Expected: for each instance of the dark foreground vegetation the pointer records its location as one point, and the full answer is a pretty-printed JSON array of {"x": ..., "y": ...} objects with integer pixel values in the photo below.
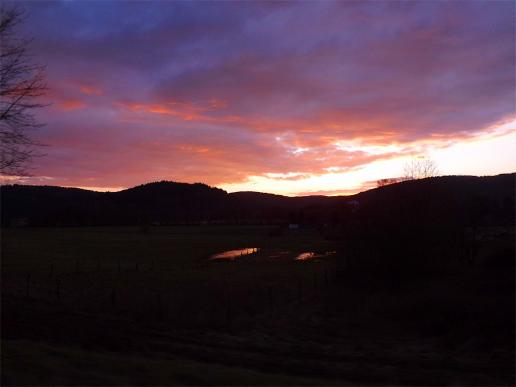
[{"x": 420, "y": 291}]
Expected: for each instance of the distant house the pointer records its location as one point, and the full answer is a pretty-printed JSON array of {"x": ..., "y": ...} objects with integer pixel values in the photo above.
[{"x": 19, "y": 222}]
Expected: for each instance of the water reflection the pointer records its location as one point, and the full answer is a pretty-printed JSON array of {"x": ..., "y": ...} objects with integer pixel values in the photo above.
[
  {"x": 307, "y": 255},
  {"x": 231, "y": 255},
  {"x": 234, "y": 254}
]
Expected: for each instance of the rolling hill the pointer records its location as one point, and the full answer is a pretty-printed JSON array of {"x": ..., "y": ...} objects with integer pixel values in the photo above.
[{"x": 467, "y": 198}]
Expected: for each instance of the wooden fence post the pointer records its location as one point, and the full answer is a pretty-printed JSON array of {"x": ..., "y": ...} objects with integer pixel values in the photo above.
[
  {"x": 27, "y": 290},
  {"x": 58, "y": 289},
  {"x": 159, "y": 305},
  {"x": 164, "y": 306},
  {"x": 113, "y": 298},
  {"x": 270, "y": 297},
  {"x": 229, "y": 309}
]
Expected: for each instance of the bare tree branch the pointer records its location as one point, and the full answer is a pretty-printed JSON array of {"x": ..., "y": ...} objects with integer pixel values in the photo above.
[
  {"x": 389, "y": 181},
  {"x": 21, "y": 84},
  {"x": 419, "y": 168}
]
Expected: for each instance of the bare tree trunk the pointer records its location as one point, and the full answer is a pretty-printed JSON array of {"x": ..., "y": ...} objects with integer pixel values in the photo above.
[{"x": 21, "y": 85}]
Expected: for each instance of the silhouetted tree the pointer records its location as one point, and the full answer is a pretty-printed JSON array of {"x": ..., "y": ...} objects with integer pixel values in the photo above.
[
  {"x": 419, "y": 168},
  {"x": 21, "y": 83},
  {"x": 388, "y": 181}
]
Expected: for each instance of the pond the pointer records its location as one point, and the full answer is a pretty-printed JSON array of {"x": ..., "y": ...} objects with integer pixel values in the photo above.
[
  {"x": 231, "y": 255},
  {"x": 307, "y": 255}
]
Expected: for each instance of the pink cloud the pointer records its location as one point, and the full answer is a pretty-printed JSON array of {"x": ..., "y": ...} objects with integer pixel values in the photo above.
[
  {"x": 71, "y": 104},
  {"x": 220, "y": 93}
]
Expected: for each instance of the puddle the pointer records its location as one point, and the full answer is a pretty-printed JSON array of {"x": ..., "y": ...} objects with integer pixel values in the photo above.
[
  {"x": 311, "y": 255},
  {"x": 305, "y": 256},
  {"x": 231, "y": 255}
]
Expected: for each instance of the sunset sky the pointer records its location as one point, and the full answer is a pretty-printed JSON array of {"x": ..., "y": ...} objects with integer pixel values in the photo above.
[{"x": 290, "y": 98}]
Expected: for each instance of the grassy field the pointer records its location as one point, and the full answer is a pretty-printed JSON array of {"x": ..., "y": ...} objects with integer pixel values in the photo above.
[
  {"x": 58, "y": 281},
  {"x": 165, "y": 271},
  {"x": 119, "y": 306},
  {"x": 170, "y": 247}
]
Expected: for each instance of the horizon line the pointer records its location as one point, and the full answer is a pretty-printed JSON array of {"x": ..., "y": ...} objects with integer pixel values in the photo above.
[{"x": 302, "y": 194}]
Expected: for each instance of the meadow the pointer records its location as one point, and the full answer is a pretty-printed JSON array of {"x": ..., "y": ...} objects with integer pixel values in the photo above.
[
  {"x": 131, "y": 305},
  {"x": 153, "y": 273},
  {"x": 162, "y": 277}
]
